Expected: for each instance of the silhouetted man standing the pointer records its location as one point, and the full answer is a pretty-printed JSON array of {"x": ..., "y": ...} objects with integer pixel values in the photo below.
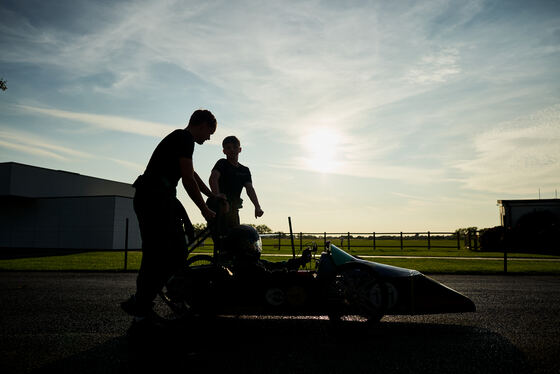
[{"x": 163, "y": 220}]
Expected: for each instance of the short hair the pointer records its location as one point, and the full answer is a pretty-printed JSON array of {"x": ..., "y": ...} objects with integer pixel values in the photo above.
[
  {"x": 232, "y": 139},
  {"x": 201, "y": 116}
]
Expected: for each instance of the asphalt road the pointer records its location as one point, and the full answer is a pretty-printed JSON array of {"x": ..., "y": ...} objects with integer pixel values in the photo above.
[{"x": 71, "y": 322}]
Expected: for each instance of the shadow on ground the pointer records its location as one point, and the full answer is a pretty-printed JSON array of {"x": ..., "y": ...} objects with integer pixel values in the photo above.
[{"x": 301, "y": 346}]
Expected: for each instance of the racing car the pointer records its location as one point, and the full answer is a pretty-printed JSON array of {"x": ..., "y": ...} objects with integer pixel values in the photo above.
[{"x": 236, "y": 281}]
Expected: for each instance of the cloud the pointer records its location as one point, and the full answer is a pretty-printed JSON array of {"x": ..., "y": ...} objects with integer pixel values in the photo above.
[
  {"x": 128, "y": 164},
  {"x": 107, "y": 122},
  {"x": 35, "y": 145},
  {"x": 39, "y": 146},
  {"x": 368, "y": 168},
  {"x": 305, "y": 64},
  {"x": 517, "y": 157},
  {"x": 298, "y": 57},
  {"x": 32, "y": 151},
  {"x": 435, "y": 68}
]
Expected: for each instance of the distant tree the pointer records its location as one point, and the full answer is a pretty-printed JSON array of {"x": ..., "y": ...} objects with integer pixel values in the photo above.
[
  {"x": 3, "y": 85},
  {"x": 465, "y": 231},
  {"x": 468, "y": 234},
  {"x": 263, "y": 229},
  {"x": 198, "y": 228},
  {"x": 492, "y": 239}
]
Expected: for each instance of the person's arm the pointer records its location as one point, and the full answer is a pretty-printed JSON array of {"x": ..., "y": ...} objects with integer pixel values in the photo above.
[
  {"x": 254, "y": 199},
  {"x": 191, "y": 186},
  {"x": 203, "y": 188},
  {"x": 213, "y": 181}
]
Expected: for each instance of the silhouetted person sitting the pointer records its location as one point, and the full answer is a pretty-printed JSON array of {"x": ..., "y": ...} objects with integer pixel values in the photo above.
[{"x": 241, "y": 253}]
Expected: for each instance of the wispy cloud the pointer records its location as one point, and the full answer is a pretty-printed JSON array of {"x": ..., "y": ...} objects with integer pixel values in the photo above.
[
  {"x": 516, "y": 157},
  {"x": 418, "y": 92},
  {"x": 26, "y": 142},
  {"x": 313, "y": 58},
  {"x": 435, "y": 68},
  {"x": 106, "y": 122},
  {"x": 128, "y": 164},
  {"x": 30, "y": 150},
  {"x": 32, "y": 144},
  {"x": 370, "y": 169}
]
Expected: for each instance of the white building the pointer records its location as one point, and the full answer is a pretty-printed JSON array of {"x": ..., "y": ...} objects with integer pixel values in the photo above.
[{"x": 44, "y": 208}]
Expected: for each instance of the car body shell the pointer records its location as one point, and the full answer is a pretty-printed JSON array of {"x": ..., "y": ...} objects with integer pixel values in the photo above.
[{"x": 306, "y": 292}]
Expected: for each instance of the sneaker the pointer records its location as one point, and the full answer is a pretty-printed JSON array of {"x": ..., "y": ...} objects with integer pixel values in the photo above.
[
  {"x": 175, "y": 287},
  {"x": 131, "y": 307}
]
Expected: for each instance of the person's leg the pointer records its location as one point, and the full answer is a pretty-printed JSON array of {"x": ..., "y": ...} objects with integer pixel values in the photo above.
[
  {"x": 162, "y": 235},
  {"x": 232, "y": 218},
  {"x": 219, "y": 227}
]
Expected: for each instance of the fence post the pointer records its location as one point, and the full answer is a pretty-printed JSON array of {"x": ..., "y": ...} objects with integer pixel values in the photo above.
[
  {"x": 475, "y": 240},
  {"x": 279, "y": 240},
  {"x": 401, "y": 241},
  {"x": 349, "y": 249},
  {"x": 292, "y": 238},
  {"x": 126, "y": 245},
  {"x": 374, "y": 240},
  {"x": 325, "y": 239},
  {"x": 507, "y": 241},
  {"x": 300, "y": 242},
  {"x": 429, "y": 246},
  {"x": 458, "y": 239}
]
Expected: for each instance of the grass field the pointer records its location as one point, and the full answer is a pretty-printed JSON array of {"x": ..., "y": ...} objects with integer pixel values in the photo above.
[
  {"x": 469, "y": 262},
  {"x": 439, "y": 248},
  {"x": 366, "y": 244}
]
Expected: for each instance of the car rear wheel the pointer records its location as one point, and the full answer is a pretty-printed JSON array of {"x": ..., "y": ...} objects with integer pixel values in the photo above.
[{"x": 173, "y": 303}]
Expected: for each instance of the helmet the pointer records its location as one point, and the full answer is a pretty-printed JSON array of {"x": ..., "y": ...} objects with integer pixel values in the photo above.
[{"x": 244, "y": 242}]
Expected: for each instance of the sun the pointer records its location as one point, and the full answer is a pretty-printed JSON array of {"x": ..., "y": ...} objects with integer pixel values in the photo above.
[{"x": 321, "y": 149}]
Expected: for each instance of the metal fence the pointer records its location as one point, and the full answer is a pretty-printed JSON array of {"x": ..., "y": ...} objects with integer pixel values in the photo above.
[{"x": 376, "y": 240}]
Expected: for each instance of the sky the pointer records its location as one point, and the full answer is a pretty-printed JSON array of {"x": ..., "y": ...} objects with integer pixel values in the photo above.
[{"x": 355, "y": 116}]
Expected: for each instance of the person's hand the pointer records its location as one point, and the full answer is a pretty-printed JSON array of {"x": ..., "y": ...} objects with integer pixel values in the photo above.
[
  {"x": 258, "y": 212},
  {"x": 208, "y": 213},
  {"x": 220, "y": 196},
  {"x": 306, "y": 256},
  {"x": 223, "y": 203}
]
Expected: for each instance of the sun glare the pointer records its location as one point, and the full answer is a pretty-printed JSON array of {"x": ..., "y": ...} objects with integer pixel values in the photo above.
[{"x": 320, "y": 147}]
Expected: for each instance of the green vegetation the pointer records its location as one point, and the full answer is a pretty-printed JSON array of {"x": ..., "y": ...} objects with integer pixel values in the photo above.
[
  {"x": 114, "y": 261},
  {"x": 445, "y": 254},
  {"x": 389, "y": 247},
  {"x": 87, "y": 261},
  {"x": 433, "y": 266}
]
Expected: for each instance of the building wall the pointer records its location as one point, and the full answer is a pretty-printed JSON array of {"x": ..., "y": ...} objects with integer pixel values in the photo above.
[
  {"x": 124, "y": 210},
  {"x": 69, "y": 223},
  {"x": 31, "y": 181},
  {"x": 512, "y": 210}
]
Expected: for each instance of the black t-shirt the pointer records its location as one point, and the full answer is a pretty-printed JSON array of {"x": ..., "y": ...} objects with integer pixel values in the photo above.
[
  {"x": 164, "y": 164},
  {"x": 232, "y": 180}
]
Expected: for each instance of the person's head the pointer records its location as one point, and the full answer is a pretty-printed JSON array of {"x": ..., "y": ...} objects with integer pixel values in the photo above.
[
  {"x": 244, "y": 243},
  {"x": 201, "y": 125},
  {"x": 231, "y": 147}
]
